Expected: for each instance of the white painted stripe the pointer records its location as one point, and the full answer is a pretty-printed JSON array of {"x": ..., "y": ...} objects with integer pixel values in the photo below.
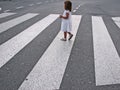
[
  {"x": 20, "y": 7},
  {"x": 7, "y": 11},
  {"x": 74, "y": 10},
  {"x": 14, "y": 45},
  {"x": 31, "y": 4},
  {"x": 6, "y": 14},
  {"x": 77, "y": 7},
  {"x": 0, "y": 8},
  {"x": 48, "y": 72},
  {"x": 117, "y": 21},
  {"x": 39, "y": 3},
  {"x": 9, "y": 24},
  {"x": 107, "y": 61}
]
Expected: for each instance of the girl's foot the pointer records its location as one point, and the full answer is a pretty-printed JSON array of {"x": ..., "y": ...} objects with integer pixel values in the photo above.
[
  {"x": 71, "y": 35},
  {"x": 63, "y": 39}
]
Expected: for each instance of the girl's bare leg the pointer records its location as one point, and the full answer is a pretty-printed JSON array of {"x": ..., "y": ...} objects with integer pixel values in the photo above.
[
  {"x": 65, "y": 35},
  {"x": 70, "y": 34}
]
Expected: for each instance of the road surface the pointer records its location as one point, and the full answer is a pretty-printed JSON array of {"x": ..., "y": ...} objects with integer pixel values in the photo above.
[{"x": 32, "y": 56}]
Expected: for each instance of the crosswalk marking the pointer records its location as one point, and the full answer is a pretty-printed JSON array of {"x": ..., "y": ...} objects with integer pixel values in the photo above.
[
  {"x": 11, "y": 23},
  {"x": 107, "y": 61},
  {"x": 74, "y": 10},
  {"x": 39, "y": 3},
  {"x": 14, "y": 45},
  {"x": 48, "y": 73},
  {"x": 6, "y": 14},
  {"x": 117, "y": 21},
  {"x": 20, "y": 7},
  {"x": 31, "y": 4},
  {"x": 7, "y": 11}
]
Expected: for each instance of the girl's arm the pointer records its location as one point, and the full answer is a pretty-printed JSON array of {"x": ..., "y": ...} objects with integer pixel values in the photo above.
[{"x": 65, "y": 17}]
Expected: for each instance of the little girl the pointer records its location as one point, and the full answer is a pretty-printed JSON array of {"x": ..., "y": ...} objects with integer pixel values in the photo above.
[{"x": 66, "y": 25}]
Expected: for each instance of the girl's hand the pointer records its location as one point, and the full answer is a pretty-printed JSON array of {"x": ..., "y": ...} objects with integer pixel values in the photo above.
[{"x": 61, "y": 16}]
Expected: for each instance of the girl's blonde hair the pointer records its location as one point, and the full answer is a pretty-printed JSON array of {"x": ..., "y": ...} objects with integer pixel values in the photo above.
[{"x": 68, "y": 5}]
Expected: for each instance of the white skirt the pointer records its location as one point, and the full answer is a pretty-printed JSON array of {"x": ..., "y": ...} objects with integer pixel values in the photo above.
[{"x": 66, "y": 26}]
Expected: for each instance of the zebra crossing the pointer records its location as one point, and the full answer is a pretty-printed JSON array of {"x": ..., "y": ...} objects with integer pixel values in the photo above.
[
  {"x": 117, "y": 21},
  {"x": 57, "y": 67},
  {"x": 3, "y": 15},
  {"x": 6, "y": 25},
  {"x": 48, "y": 72},
  {"x": 104, "y": 51}
]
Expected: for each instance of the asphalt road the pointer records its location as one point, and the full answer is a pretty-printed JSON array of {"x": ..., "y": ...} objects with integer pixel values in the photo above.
[{"x": 90, "y": 61}]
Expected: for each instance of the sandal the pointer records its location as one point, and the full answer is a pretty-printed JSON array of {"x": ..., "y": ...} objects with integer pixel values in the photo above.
[
  {"x": 70, "y": 36},
  {"x": 63, "y": 39}
]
